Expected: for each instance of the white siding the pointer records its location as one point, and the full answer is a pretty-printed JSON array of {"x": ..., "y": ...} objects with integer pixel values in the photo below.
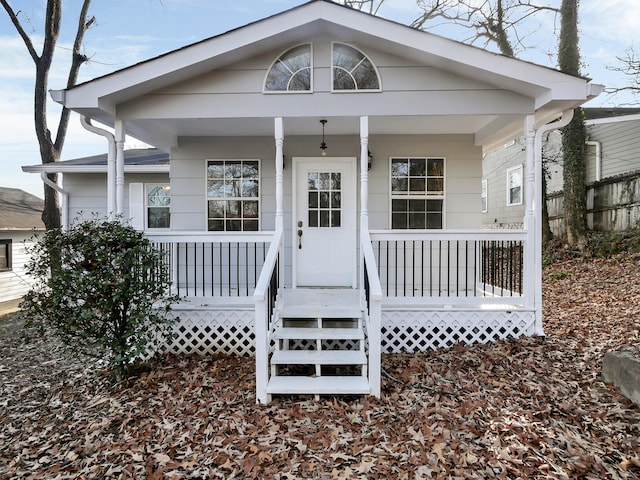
[
  {"x": 88, "y": 192},
  {"x": 15, "y": 282}
]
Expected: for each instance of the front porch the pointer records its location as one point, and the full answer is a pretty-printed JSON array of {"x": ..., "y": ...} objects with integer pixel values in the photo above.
[{"x": 416, "y": 291}]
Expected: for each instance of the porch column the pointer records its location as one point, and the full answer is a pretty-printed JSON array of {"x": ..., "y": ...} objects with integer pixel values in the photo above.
[
  {"x": 531, "y": 210},
  {"x": 364, "y": 173},
  {"x": 120, "y": 139},
  {"x": 279, "y": 160}
]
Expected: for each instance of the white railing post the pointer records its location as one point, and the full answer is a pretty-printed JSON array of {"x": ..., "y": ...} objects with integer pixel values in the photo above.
[{"x": 262, "y": 351}]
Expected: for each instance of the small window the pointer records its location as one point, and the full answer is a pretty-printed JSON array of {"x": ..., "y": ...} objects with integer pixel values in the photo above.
[
  {"x": 233, "y": 192},
  {"x": 291, "y": 72},
  {"x": 514, "y": 186},
  {"x": 417, "y": 193},
  {"x": 483, "y": 196},
  {"x": 5, "y": 255},
  {"x": 352, "y": 69},
  {"x": 158, "y": 206}
]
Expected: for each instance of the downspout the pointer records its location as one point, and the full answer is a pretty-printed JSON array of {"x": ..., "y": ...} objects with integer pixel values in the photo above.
[
  {"x": 111, "y": 163},
  {"x": 65, "y": 199},
  {"x": 563, "y": 121},
  {"x": 598, "y": 145}
]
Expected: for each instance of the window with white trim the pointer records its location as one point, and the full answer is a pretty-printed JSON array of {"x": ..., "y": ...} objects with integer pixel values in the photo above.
[
  {"x": 5, "y": 255},
  {"x": 483, "y": 197},
  {"x": 514, "y": 186},
  {"x": 233, "y": 195},
  {"x": 291, "y": 72},
  {"x": 417, "y": 193},
  {"x": 352, "y": 69},
  {"x": 158, "y": 205}
]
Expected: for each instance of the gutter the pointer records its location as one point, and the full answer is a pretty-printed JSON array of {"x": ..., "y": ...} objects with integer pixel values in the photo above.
[
  {"x": 598, "y": 145},
  {"x": 111, "y": 162},
  {"x": 65, "y": 199}
]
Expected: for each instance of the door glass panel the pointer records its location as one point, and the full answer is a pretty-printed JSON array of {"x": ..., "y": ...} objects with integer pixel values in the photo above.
[{"x": 325, "y": 195}]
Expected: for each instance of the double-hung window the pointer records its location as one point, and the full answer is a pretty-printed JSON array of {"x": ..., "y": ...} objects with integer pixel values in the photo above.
[
  {"x": 158, "y": 206},
  {"x": 417, "y": 193},
  {"x": 233, "y": 195},
  {"x": 514, "y": 186}
]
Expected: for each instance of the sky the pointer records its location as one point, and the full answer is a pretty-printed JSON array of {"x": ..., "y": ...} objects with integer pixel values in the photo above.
[{"x": 130, "y": 31}]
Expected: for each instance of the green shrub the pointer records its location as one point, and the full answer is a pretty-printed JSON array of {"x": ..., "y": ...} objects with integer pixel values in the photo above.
[{"x": 108, "y": 298}]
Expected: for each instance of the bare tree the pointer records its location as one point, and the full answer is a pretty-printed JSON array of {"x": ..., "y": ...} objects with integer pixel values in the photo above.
[
  {"x": 369, "y": 6},
  {"x": 50, "y": 148},
  {"x": 630, "y": 66}
]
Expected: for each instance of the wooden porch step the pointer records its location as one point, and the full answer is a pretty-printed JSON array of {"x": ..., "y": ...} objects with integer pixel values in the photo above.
[
  {"x": 337, "y": 385},
  {"x": 318, "y": 357},
  {"x": 327, "y": 333},
  {"x": 320, "y": 303}
]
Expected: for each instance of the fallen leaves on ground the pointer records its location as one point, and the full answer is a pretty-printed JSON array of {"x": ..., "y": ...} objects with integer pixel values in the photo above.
[{"x": 525, "y": 408}]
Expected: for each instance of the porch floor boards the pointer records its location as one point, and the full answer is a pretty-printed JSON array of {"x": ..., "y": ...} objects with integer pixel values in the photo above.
[{"x": 320, "y": 302}]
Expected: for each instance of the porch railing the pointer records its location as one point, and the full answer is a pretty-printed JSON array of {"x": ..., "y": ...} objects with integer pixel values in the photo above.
[
  {"x": 372, "y": 295},
  {"x": 269, "y": 285},
  {"x": 451, "y": 267},
  {"x": 203, "y": 264}
]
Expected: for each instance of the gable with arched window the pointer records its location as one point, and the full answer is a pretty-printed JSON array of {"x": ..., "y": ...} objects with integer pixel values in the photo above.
[{"x": 351, "y": 70}]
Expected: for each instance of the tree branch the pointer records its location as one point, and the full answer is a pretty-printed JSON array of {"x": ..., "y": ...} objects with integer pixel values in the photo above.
[
  {"x": 78, "y": 59},
  {"x": 18, "y": 26}
]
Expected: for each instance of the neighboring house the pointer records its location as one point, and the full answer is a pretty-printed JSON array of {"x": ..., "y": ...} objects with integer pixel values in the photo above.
[
  {"x": 20, "y": 219},
  {"x": 325, "y": 174},
  {"x": 612, "y": 177}
]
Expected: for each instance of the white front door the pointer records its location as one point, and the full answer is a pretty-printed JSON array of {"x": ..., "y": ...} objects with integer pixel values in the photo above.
[{"x": 324, "y": 222}]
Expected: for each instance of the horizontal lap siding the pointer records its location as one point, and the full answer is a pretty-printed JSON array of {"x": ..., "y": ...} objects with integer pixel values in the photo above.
[
  {"x": 88, "y": 192},
  {"x": 15, "y": 283},
  {"x": 620, "y": 148}
]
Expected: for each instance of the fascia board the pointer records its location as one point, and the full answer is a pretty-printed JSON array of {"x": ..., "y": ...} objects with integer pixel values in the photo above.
[
  {"x": 57, "y": 168},
  {"x": 617, "y": 119}
]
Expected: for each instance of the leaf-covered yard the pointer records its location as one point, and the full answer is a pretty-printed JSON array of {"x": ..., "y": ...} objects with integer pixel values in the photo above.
[{"x": 528, "y": 408}]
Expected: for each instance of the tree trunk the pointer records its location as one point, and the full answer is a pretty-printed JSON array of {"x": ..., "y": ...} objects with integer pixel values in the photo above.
[{"x": 573, "y": 135}]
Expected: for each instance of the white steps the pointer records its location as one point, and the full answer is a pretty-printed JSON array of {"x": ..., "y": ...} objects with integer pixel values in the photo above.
[
  {"x": 319, "y": 344},
  {"x": 321, "y": 357},
  {"x": 330, "y": 385},
  {"x": 298, "y": 333}
]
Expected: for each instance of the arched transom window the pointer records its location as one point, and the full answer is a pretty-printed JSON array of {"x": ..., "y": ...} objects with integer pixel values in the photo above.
[
  {"x": 291, "y": 71},
  {"x": 352, "y": 69}
]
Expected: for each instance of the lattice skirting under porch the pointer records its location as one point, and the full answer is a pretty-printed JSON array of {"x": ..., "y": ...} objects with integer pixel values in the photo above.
[
  {"x": 205, "y": 331},
  {"x": 419, "y": 331},
  {"x": 213, "y": 331}
]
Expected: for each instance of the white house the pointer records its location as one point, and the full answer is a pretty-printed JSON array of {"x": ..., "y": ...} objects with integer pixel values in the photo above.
[
  {"x": 612, "y": 156},
  {"x": 20, "y": 219},
  {"x": 324, "y": 190}
]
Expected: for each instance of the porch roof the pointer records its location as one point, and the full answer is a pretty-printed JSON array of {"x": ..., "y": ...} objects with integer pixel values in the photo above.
[{"x": 548, "y": 91}]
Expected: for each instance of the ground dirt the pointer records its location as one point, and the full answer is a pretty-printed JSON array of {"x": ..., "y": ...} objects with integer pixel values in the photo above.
[{"x": 520, "y": 408}]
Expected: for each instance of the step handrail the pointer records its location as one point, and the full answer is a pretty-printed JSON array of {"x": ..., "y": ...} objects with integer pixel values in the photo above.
[
  {"x": 264, "y": 306},
  {"x": 374, "y": 311}
]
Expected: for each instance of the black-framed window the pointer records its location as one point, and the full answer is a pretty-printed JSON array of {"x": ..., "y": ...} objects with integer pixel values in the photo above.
[
  {"x": 417, "y": 193},
  {"x": 233, "y": 195},
  {"x": 5, "y": 255}
]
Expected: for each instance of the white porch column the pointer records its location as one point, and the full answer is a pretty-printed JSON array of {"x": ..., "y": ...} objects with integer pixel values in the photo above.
[
  {"x": 279, "y": 138},
  {"x": 532, "y": 285},
  {"x": 364, "y": 173},
  {"x": 120, "y": 138},
  {"x": 567, "y": 115}
]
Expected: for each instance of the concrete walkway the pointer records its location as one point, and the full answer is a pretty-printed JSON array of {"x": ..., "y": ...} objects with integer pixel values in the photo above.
[{"x": 9, "y": 307}]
